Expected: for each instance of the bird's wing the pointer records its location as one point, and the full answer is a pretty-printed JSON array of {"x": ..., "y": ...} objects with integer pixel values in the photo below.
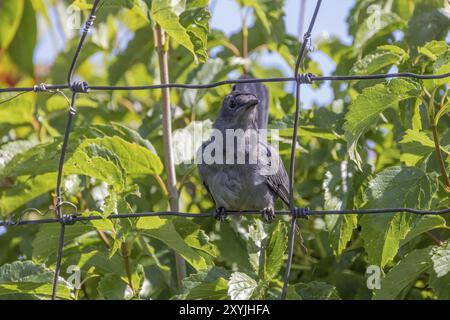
[
  {"x": 202, "y": 170},
  {"x": 279, "y": 182},
  {"x": 261, "y": 92}
]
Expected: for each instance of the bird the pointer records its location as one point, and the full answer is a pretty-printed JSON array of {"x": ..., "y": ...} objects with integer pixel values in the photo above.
[{"x": 246, "y": 184}]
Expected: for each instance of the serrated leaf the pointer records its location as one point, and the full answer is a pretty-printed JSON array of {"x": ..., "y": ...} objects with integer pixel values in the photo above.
[
  {"x": 241, "y": 286},
  {"x": 26, "y": 277},
  {"x": 441, "y": 259},
  {"x": 45, "y": 243},
  {"x": 315, "y": 290},
  {"x": 365, "y": 110},
  {"x": 416, "y": 146},
  {"x": 437, "y": 22},
  {"x": 440, "y": 285},
  {"x": 194, "y": 236},
  {"x": 164, "y": 230},
  {"x": 375, "y": 62},
  {"x": 404, "y": 274},
  {"x": 275, "y": 251},
  {"x": 424, "y": 224},
  {"x": 112, "y": 287},
  {"x": 164, "y": 13},
  {"x": 339, "y": 193},
  {"x": 25, "y": 189},
  {"x": 444, "y": 110},
  {"x": 393, "y": 187}
]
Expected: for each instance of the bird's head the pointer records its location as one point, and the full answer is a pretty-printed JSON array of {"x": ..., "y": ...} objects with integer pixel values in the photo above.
[{"x": 238, "y": 110}]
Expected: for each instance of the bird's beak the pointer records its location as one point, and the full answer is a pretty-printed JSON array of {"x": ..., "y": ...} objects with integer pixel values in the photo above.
[{"x": 247, "y": 101}]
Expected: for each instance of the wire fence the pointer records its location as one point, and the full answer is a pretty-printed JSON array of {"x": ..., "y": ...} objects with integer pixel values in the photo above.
[{"x": 77, "y": 87}]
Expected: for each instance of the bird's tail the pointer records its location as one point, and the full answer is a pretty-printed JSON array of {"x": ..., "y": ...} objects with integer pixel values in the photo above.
[{"x": 261, "y": 92}]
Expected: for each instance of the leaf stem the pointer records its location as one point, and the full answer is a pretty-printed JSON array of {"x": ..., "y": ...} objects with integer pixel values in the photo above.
[
  {"x": 126, "y": 262},
  {"x": 435, "y": 133},
  {"x": 161, "y": 44}
]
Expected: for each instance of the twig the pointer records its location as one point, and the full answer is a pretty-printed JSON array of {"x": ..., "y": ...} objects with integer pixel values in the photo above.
[{"x": 162, "y": 42}]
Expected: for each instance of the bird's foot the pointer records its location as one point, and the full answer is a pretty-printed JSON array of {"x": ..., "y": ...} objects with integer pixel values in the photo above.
[
  {"x": 220, "y": 214},
  {"x": 268, "y": 214}
]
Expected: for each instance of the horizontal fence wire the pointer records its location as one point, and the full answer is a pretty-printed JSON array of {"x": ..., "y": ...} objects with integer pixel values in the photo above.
[
  {"x": 295, "y": 213},
  {"x": 298, "y": 212},
  {"x": 312, "y": 78}
]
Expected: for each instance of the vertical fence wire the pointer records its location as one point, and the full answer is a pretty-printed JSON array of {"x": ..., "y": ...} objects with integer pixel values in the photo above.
[
  {"x": 299, "y": 80},
  {"x": 75, "y": 87}
]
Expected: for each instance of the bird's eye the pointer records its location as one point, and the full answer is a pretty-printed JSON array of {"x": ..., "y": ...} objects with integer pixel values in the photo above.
[{"x": 232, "y": 104}]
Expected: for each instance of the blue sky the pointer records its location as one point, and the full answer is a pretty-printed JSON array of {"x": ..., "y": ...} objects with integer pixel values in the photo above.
[{"x": 331, "y": 20}]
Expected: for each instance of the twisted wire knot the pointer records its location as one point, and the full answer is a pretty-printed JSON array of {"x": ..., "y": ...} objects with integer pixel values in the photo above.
[
  {"x": 307, "y": 36},
  {"x": 80, "y": 87},
  {"x": 69, "y": 219},
  {"x": 89, "y": 23},
  {"x": 305, "y": 78},
  {"x": 301, "y": 213},
  {"x": 40, "y": 87}
]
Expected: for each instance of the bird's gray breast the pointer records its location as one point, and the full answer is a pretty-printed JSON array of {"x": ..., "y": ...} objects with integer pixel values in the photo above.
[{"x": 239, "y": 186}]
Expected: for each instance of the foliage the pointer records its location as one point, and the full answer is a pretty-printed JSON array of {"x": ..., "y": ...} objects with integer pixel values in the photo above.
[{"x": 377, "y": 144}]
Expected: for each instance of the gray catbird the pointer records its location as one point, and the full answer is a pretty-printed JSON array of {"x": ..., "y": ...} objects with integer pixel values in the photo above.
[{"x": 244, "y": 185}]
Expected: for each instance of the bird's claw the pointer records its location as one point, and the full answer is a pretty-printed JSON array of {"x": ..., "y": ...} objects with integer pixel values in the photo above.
[
  {"x": 268, "y": 214},
  {"x": 220, "y": 214}
]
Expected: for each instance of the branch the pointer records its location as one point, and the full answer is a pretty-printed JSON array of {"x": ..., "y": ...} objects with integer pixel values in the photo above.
[{"x": 161, "y": 43}]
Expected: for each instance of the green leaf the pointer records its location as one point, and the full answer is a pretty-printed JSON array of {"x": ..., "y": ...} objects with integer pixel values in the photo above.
[
  {"x": 18, "y": 111},
  {"x": 256, "y": 242},
  {"x": 232, "y": 248},
  {"x": 440, "y": 285},
  {"x": 433, "y": 49},
  {"x": 377, "y": 61},
  {"x": 45, "y": 244},
  {"x": 424, "y": 224},
  {"x": 10, "y": 17},
  {"x": 164, "y": 230},
  {"x": 440, "y": 114},
  {"x": 27, "y": 278},
  {"x": 339, "y": 194},
  {"x": 139, "y": 49},
  {"x": 21, "y": 49},
  {"x": 403, "y": 275},
  {"x": 377, "y": 25},
  {"x": 441, "y": 259},
  {"x": 416, "y": 146},
  {"x": 25, "y": 189},
  {"x": 135, "y": 159},
  {"x": 194, "y": 236},
  {"x": 108, "y": 159},
  {"x": 435, "y": 19},
  {"x": 9, "y": 150},
  {"x": 112, "y": 287},
  {"x": 391, "y": 188},
  {"x": 208, "y": 284},
  {"x": 241, "y": 286},
  {"x": 314, "y": 290},
  {"x": 275, "y": 251},
  {"x": 366, "y": 109},
  {"x": 166, "y": 15}
]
